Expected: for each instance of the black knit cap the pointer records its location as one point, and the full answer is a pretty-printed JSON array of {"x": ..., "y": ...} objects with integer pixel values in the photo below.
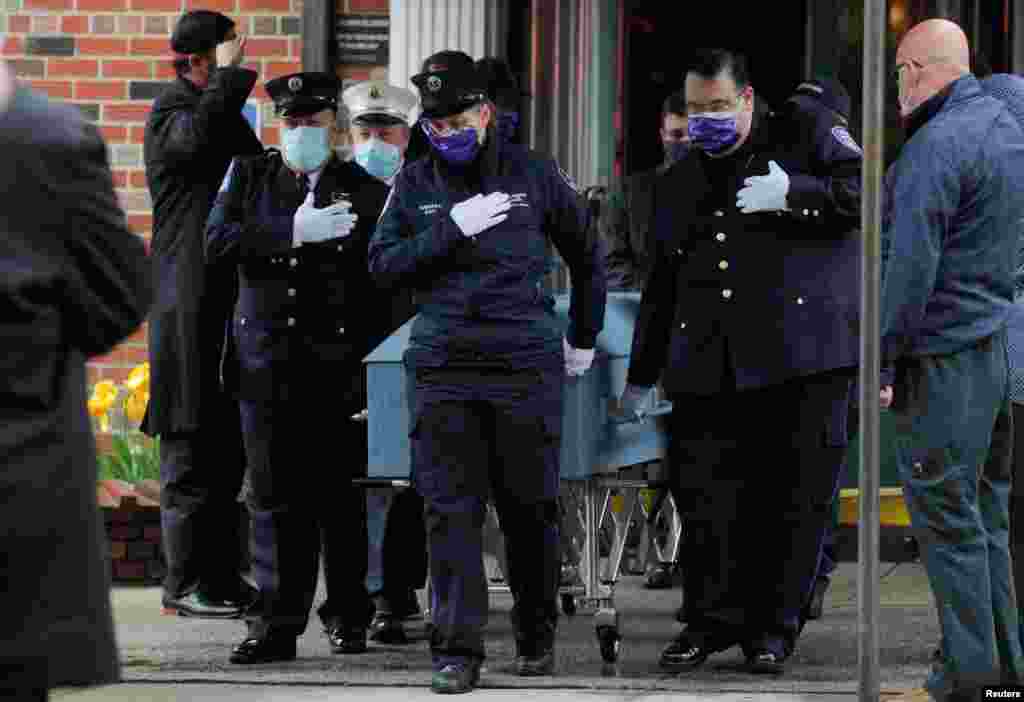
[
  {"x": 306, "y": 93},
  {"x": 824, "y": 91},
  {"x": 200, "y": 31},
  {"x": 449, "y": 84}
]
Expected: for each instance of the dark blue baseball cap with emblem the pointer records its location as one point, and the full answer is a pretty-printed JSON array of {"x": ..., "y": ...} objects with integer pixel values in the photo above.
[
  {"x": 449, "y": 83},
  {"x": 824, "y": 91},
  {"x": 306, "y": 93}
]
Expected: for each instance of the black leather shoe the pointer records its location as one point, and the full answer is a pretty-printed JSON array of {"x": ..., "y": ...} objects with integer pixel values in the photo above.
[
  {"x": 536, "y": 666},
  {"x": 201, "y": 607},
  {"x": 388, "y": 630},
  {"x": 816, "y": 606},
  {"x": 661, "y": 577},
  {"x": 268, "y": 649},
  {"x": 455, "y": 678},
  {"x": 346, "y": 641},
  {"x": 686, "y": 652},
  {"x": 764, "y": 661}
]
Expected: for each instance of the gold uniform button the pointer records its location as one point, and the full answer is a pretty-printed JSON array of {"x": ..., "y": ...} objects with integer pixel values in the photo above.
[
  {"x": 720, "y": 236},
  {"x": 719, "y": 213},
  {"x": 294, "y": 262},
  {"x": 340, "y": 247},
  {"x": 341, "y": 330},
  {"x": 291, "y": 292},
  {"x": 727, "y": 293},
  {"x": 679, "y": 252},
  {"x": 799, "y": 301},
  {"x": 806, "y": 212},
  {"x": 291, "y": 321},
  {"x": 683, "y": 325},
  {"x": 723, "y": 265},
  {"x": 816, "y": 213}
]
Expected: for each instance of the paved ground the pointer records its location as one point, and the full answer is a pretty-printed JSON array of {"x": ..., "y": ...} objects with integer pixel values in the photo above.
[{"x": 170, "y": 658}]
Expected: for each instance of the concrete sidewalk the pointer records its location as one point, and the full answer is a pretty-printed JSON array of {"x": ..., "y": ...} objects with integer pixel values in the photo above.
[{"x": 171, "y": 658}]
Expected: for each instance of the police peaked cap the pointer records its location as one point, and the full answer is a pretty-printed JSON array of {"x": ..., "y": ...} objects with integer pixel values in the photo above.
[
  {"x": 449, "y": 84},
  {"x": 827, "y": 92},
  {"x": 306, "y": 93},
  {"x": 200, "y": 31}
]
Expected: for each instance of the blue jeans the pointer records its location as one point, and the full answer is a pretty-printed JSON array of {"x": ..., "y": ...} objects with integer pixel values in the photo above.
[{"x": 947, "y": 409}]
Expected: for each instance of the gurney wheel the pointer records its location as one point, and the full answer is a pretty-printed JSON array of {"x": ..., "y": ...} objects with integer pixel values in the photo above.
[
  {"x": 569, "y": 604},
  {"x": 610, "y": 641}
]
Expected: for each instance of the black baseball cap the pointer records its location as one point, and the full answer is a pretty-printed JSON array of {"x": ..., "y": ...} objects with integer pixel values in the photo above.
[
  {"x": 824, "y": 91},
  {"x": 449, "y": 84},
  {"x": 200, "y": 31}
]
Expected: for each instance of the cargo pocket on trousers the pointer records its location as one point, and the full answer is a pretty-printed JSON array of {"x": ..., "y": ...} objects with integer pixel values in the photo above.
[{"x": 938, "y": 488}]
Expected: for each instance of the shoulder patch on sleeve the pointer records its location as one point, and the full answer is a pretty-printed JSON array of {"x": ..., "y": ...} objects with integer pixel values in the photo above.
[
  {"x": 567, "y": 179},
  {"x": 842, "y": 135}
]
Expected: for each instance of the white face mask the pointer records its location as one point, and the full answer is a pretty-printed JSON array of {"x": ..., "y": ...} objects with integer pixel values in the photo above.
[{"x": 306, "y": 148}]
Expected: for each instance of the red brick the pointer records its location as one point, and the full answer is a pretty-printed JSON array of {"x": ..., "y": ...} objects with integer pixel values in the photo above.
[
  {"x": 356, "y": 72},
  {"x": 126, "y": 112},
  {"x": 165, "y": 70},
  {"x": 227, "y": 6},
  {"x": 157, "y": 5},
  {"x": 137, "y": 179},
  {"x": 152, "y": 534},
  {"x": 368, "y": 6},
  {"x": 74, "y": 24},
  {"x": 88, "y": 46},
  {"x": 138, "y": 135},
  {"x": 107, "y": 90},
  {"x": 45, "y": 24},
  {"x": 120, "y": 177},
  {"x": 281, "y": 6},
  {"x": 270, "y": 136},
  {"x": 125, "y": 533},
  {"x": 102, "y": 5},
  {"x": 49, "y": 4},
  {"x": 115, "y": 135},
  {"x": 140, "y": 223},
  {"x": 18, "y": 24},
  {"x": 295, "y": 48},
  {"x": 276, "y": 69},
  {"x": 151, "y": 47},
  {"x": 12, "y": 46},
  {"x": 127, "y": 69},
  {"x": 79, "y": 68},
  {"x": 266, "y": 47},
  {"x": 60, "y": 89},
  {"x": 129, "y": 570}
]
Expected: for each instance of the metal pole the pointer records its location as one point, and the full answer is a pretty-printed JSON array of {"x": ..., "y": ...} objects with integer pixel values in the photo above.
[
  {"x": 871, "y": 204},
  {"x": 318, "y": 35}
]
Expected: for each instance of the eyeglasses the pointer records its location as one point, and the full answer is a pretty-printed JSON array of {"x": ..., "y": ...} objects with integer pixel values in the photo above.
[{"x": 693, "y": 108}]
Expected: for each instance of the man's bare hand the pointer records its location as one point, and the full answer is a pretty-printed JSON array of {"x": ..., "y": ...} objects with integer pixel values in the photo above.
[
  {"x": 885, "y": 397},
  {"x": 232, "y": 52}
]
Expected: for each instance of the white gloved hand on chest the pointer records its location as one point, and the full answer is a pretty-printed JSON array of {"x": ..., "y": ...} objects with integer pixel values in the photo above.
[
  {"x": 765, "y": 193},
  {"x": 480, "y": 212},
  {"x": 312, "y": 225},
  {"x": 577, "y": 361}
]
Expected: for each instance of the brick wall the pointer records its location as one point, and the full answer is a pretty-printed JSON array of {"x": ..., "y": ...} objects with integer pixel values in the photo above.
[{"x": 111, "y": 58}]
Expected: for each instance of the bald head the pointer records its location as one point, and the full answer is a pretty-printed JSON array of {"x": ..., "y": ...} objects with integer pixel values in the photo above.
[{"x": 931, "y": 55}]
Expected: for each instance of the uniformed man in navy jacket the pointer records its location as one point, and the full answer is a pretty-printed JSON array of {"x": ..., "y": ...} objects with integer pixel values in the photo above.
[
  {"x": 467, "y": 228},
  {"x": 296, "y": 223},
  {"x": 750, "y": 319}
]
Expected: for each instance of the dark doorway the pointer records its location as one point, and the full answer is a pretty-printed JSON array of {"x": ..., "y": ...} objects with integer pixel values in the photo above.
[{"x": 660, "y": 39}]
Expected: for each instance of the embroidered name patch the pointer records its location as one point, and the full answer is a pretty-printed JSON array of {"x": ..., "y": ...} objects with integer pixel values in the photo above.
[
  {"x": 429, "y": 208},
  {"x": 518, "y": 200},
  {"x": 841, "y": 135}
]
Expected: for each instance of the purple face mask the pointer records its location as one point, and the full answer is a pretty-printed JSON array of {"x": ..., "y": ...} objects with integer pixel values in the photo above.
[
  {"x": 714, "y": 132},
  {"x": 459, "y": 148}
]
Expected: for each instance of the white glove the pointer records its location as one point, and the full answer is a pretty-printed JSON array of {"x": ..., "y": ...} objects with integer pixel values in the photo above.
[
  {"x": 636, "y": 400},
  {"x": 480, "y": 212},
  {"x": 312, "y": 225},
  {"x": 765, "y": 193},
  {"x": 577, "y": 361}
]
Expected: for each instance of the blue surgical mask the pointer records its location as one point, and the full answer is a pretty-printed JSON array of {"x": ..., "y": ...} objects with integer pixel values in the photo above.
[
  {"x": 306, "y": 148},
  {"x": 714, "y": 132},
  {"x": 379, "y": 158},
  {"x": 459, "y": 148}
]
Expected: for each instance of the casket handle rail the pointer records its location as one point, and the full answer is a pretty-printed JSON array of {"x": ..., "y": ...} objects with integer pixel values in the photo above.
[{"x": 662, "y": 408}]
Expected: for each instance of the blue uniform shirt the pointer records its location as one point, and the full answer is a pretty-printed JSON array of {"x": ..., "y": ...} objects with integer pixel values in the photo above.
[{"x": 481, "y": 300}]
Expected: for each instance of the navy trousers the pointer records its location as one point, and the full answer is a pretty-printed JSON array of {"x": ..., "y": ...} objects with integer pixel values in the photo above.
[
  {"x": 480, "y": 434},
  {"x": 397, "y": 553},
  {"x": 302, "y": 460},
  {"x": 755, "y": 476}
]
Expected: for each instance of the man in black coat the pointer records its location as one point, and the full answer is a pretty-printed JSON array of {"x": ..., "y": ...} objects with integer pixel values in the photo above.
[
  {"x": 73, "y": 284},
  {"x": 750, "y": 319},
  {"x": 195, "y": 129},
  {"x": 297, "y": 223}
]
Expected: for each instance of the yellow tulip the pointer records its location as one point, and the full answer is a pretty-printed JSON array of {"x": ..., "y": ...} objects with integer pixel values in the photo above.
[
  {"x": 138, "y": 378},
  {"x": 103, "y": 395},
  {"x": 135, "y": 405}
]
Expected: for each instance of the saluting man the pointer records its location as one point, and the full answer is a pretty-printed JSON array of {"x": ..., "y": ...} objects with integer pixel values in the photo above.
[
  {"x": 297, "y": 224},
  {"x": 379, "y": 116},
  {"x": 467, "y": 228},
  {"x": 750, "y": 319}
]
